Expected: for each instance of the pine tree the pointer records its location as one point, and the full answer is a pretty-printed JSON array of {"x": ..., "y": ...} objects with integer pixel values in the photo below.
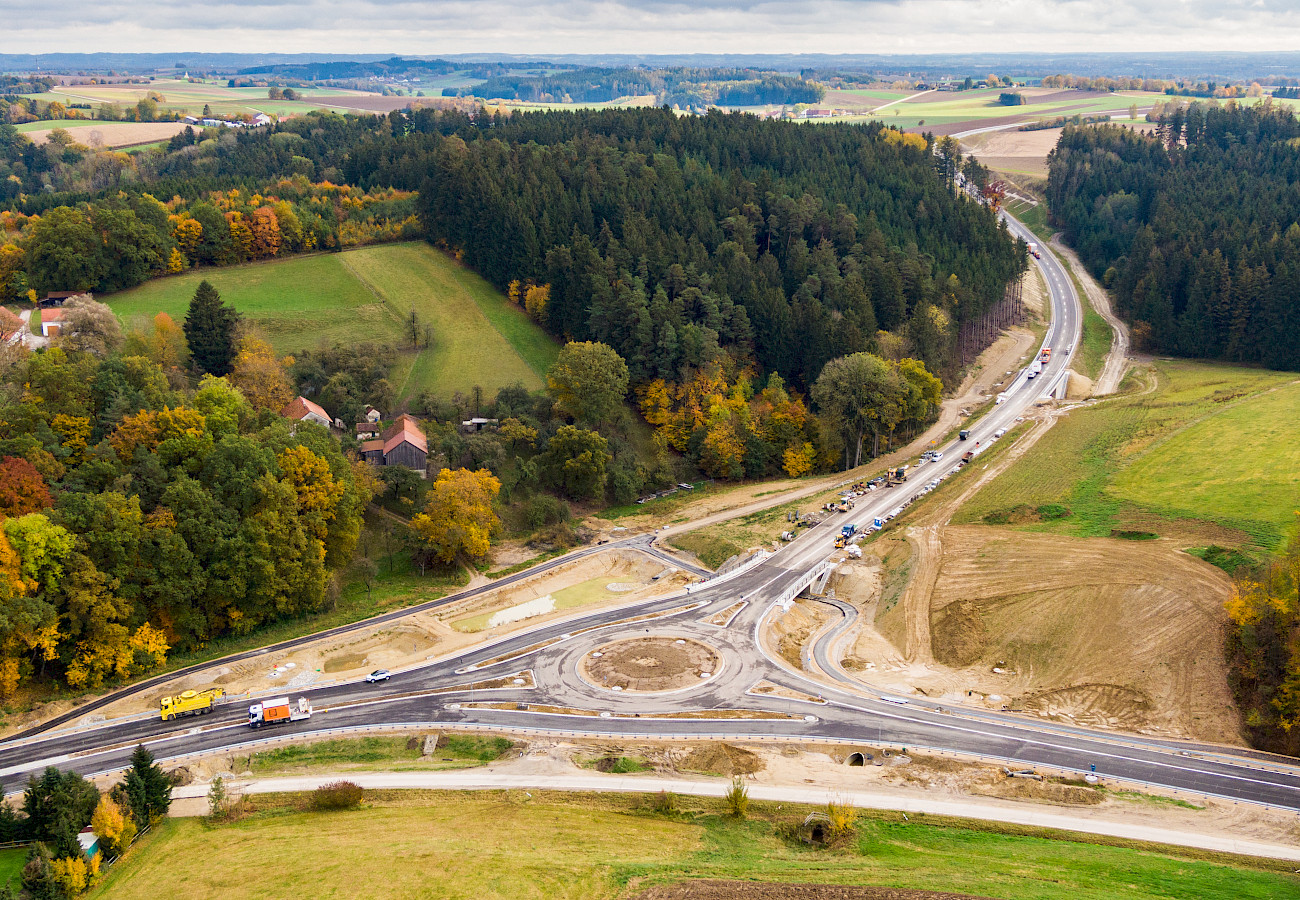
[
  {"x": 210, "y": 329},
  {"x": 148, "y": 788}
]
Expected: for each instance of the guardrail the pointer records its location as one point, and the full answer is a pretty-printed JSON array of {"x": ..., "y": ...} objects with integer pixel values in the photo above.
[
  {"x": 754, "y": 561},
  {"x": 804, "y": 580}
]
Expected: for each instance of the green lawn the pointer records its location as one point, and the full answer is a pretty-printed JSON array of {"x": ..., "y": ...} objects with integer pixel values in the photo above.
[
  {"x": 11, "y": 865},
  {"x": 367, "y": 294},
  {"x": 384, "y": 753},
  {"x": 535, "y": 844},
  {"x": 1211, "y": 444}
]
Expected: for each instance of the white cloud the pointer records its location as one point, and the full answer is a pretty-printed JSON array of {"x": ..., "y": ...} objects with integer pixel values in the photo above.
[{"x": 650, "y": 26}]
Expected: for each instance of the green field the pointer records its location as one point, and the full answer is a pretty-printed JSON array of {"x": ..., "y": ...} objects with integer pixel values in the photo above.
[
  {"x": 366, "y": 295},
  {"x": 584, "y": 593},
  {"x": 185, "y": 97},
  {"x": 975, "y": 106},
  {"x": 1210, "y": 445},
  {"x": 386, "y": 754},
  {"x": 11, "y": 865},
  {"x": 520, "y": 844}
]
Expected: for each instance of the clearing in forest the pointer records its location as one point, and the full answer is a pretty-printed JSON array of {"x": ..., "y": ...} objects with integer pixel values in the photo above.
[{"x": 474, "y": 336}]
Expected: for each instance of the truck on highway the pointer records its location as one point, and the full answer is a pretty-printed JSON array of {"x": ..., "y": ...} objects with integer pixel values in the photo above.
[
  {"x": 1033, "y": 251},
  {"x": 189, "y": 703},
  {"x": 964, "y": 433},
  {"x": 1045, "y": 356},
  {"x": 1035, "y": 370},
  {"x": 280, "y": 710},
  {"x": 849, "y": 530}
]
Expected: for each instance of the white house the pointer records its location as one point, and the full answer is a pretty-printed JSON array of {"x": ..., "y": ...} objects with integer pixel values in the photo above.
[{"x": 300, "y": 409}]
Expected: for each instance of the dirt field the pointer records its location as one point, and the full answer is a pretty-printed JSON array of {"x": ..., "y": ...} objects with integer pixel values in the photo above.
[
  {"x": 650, "y": 664},
  {"x": 1023, "y": 152},
  {"x": 1103, "y": 633},
  {"x": 116, "y": 134}
]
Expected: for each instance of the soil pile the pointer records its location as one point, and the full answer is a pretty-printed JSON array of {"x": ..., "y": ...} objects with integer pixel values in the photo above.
[{"x": 721, "y": 759}]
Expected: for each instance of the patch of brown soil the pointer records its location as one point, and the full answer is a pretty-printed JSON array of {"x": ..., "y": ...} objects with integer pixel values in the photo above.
[
  {"x": 721, "y": 759},
  {"x": 710, "y": 889},
  {"x": 650, "y": 664},
  {"x": 1045, "y": 791},
  {"x": 793, "y": 629},
  {"x": 115, "y": 134}
]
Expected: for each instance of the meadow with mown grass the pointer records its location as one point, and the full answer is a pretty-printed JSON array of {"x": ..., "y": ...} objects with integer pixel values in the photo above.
[
  {"x": 1192, "y": 449},
  {"x": 470, "y": 334},
  {"x": 536, "y": 844}
]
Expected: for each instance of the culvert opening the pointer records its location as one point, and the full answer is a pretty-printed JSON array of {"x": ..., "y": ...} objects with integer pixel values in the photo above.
[{"x": 857, "y": 759}]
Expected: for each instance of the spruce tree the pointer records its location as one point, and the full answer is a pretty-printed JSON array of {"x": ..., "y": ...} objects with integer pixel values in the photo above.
[
  {"x": 210, "y": 328},
  {"x": 148, "y": 787}
]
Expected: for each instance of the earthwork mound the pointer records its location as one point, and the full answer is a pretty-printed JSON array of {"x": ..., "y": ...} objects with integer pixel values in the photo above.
[
  {"x": 721, "y": 759},
  {"x": 650, "y": 664}
]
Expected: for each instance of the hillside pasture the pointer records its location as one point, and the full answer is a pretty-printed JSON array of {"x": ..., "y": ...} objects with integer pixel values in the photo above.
[
  {"x": 1204, "y": 450},
  {"x": 367, "y": 295}
]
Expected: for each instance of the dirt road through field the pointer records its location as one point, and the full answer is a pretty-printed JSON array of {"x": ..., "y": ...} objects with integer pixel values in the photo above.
[{"x": 1117, "y": 362}]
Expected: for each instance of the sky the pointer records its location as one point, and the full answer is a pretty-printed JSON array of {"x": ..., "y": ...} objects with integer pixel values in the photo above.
[{"x": 647, "y": 26}]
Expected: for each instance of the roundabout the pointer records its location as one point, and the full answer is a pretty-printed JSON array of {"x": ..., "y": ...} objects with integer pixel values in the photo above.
[{"x": 650, "y": 665}]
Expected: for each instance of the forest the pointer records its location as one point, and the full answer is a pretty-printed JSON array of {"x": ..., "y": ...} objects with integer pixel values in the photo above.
[
  {"x": 673, "y": 86},
  {"x": 677, "y": 240},
  {"x": 1193, "y": 228}
]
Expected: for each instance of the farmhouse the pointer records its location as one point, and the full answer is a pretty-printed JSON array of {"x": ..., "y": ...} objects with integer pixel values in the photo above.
[
  {"x": 10, "y": 323},
  {"x": 402, "y": 444},
  {"x": 300, "y": 409},
  {"x": 51, "y": 322}
]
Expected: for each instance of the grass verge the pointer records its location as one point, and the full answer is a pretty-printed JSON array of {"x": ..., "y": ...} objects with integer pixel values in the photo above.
[
  {"x": 386, "y": 753},
  {"x": 543, "y": 845}
]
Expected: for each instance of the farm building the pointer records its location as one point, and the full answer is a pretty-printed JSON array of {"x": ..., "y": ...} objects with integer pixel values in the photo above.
[
  {"x": 402, "y": 444},
  {"x": 10, "y": 323},
  {"x": 367, "y": 430},
  {"x": 58, "y": 298},
  {"x": 89, "y": 842},
  {"x": 476, "y": 424},
  {"x": 51, "y": 322},
  {"x": 372, "y": 415},
  {"x": 300, "y": 409}
]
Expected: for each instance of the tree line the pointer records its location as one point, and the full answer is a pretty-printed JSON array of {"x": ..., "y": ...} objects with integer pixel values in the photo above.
[
  {"x": 1192, "y": 227},
  {"x": 676, "y": 86},
  {"x": 138, "y": 513}
]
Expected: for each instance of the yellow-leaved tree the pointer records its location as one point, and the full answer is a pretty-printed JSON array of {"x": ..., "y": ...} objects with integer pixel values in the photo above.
[
  {"x": 318, "y": 492},
  {"x": 458, "y": 516},
  {"x": 114, "y": 830},
  {"x": 260, "y": 377}
]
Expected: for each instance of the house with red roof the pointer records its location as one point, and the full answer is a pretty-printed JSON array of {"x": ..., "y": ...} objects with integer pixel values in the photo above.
[{"x": 299, "y": 409}]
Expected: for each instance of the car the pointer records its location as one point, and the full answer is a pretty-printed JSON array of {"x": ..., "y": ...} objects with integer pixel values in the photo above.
[
  {"x": 1000, "y": 432},
  {"x": 378, "y": 675},
  {"x": 937, "y": 455}
]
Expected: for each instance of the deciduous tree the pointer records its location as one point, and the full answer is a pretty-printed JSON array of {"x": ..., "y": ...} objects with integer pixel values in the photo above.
[
  {"x": 588, "y": 381},
  {"x": 458, "y": 516},
  {"x": 260, "y": 377},
  {"x": 22, "y": 489}
]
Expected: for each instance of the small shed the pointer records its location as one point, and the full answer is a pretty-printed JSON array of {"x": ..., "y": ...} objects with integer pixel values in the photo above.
[
  {"x": 89, "y": 842},
  {"x": 58, "y": 298},
  {"x": 476, "y": 424},
  {"x": 372, "y": 415}
]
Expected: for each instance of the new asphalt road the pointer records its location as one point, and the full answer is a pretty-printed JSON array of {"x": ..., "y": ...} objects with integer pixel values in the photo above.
[{"x": 555, "y": 697}]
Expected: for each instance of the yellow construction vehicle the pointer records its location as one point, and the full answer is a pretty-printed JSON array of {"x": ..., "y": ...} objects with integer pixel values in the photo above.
[{"x": 190, "y": 703}]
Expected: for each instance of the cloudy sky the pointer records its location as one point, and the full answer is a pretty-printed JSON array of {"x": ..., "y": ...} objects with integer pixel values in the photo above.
[{"x": 647, "y": 26}]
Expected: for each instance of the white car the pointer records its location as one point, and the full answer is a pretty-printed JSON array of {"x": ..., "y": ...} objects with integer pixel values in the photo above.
[{"x": 378, "y": 675}]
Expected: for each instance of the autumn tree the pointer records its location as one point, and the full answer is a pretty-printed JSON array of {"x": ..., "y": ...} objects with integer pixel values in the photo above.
[
  {"x": 89, "y": 326},
  {"x": 210, "y": 330},
  {"x": 588, "y": 381},
  {"x": 260, "y": 377},
  {"x": 458, "y": 516},
  {"x": 265, "y": 229},
  {"x": 114, "y": 830},
  {"x": 22, "y": 489}
]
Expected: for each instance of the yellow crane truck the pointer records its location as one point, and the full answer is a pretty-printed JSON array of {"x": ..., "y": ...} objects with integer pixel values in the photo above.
[{"x": 190, "y": 703}]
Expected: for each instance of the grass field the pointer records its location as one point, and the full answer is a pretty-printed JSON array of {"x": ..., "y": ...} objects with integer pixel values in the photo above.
[
  {"x": 186, "y": 97},
  {"x": 1212, "y": 445},
  {"x": 300, "y": 303},
  {"x": 11, "y": 865},
  {"x": 388, "y": 754},
  {"x": 584, "y": 593},
  {"x": 538, "y": 845}
]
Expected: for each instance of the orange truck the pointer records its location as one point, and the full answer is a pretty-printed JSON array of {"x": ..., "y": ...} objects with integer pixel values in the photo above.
[{"x": 278, "y": 711}]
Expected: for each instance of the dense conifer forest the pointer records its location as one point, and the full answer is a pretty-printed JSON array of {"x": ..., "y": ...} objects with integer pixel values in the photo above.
[{"x": 1194, "y": 228}]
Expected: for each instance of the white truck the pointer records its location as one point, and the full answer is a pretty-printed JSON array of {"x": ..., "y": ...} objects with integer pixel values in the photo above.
[
  {"x": 1035, "y": 370},
  {"x": 274, "y": 712}
]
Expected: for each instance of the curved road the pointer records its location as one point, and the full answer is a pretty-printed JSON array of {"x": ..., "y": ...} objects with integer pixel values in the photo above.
[{"x": 438, "y": 694}]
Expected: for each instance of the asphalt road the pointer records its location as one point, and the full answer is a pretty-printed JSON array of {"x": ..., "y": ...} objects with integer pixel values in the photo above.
[{"x": 436, "y": 695}]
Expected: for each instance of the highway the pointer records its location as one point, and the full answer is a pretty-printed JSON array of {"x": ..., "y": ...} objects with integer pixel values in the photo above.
[{"x": 560, "y": 700}]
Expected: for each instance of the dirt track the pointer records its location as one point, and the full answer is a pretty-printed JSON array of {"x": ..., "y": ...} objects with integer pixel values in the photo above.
[{"x": 1117, "y": 362}]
